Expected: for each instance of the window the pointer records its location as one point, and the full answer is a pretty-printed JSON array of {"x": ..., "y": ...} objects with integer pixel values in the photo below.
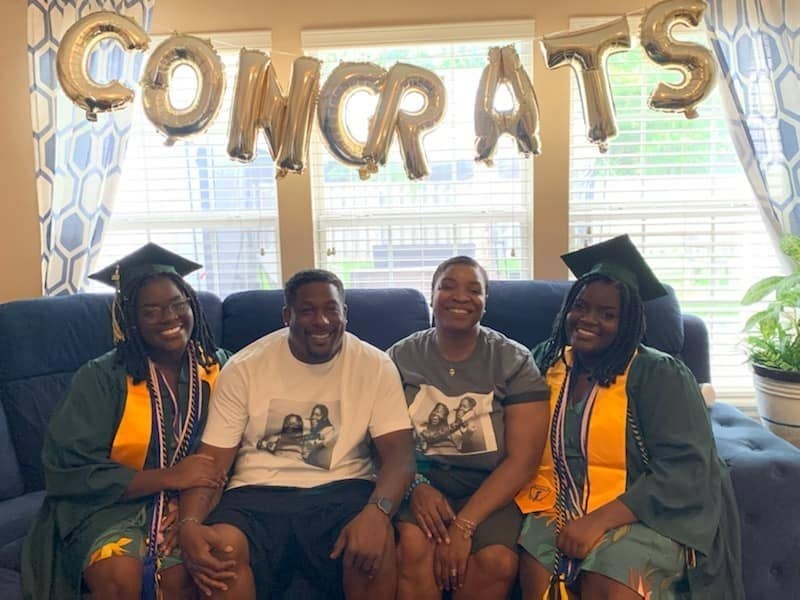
[
  {"x": 390, "y": 231},
  {"x": 676, "y": 186},
  {"x": 194, "y": 199}
]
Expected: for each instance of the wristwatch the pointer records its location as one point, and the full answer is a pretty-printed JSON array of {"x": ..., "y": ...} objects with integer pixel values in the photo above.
[{"x": 384, "y": 505}]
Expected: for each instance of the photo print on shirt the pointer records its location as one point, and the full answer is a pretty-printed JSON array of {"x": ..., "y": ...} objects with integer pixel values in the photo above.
[
  {"x": 302, "y": 430},
  {"x": 452, "y": 425}
]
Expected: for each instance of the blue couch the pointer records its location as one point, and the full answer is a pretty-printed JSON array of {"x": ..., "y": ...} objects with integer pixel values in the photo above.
[{"x": 45, "y": 340}]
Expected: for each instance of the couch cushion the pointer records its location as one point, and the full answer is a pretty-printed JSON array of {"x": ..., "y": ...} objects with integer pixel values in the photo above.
[
  {"x": 48, "y": 339},
  {"x": 10, "y": 477},
  {"x": 17, "y": 515},
  {"x": 10, "y": 585},
  {"x": 526, "y": 310},
  {"x": 380, "y": 317}
]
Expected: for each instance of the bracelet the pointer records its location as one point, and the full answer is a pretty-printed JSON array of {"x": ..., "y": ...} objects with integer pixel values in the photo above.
[
  {"x": 465, "y": 526},
  {"x": 419, "y": 479},
  {"x": 185, "y": 520}
]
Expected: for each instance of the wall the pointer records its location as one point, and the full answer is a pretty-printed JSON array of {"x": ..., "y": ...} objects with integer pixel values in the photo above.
[{"x": 19, "y": 242}]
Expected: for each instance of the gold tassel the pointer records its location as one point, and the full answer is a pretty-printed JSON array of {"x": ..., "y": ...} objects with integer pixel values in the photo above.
[
  {"x": 557, "y": 590},
  {"x": 116, "y": 310}
]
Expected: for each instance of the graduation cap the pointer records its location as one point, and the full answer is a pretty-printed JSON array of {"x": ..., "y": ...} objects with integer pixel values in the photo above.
[
  {"x": 618, "y": 259},
  {"x": 150, "y": 259}
]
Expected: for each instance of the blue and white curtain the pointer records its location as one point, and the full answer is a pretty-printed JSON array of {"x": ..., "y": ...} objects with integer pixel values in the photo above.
[
  {"x": 757, "y": 44},
  {"x": 77, "y": 162}
]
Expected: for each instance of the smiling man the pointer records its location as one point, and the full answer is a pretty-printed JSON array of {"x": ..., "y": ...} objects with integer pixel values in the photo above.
[{"x": 329, "y": 517}]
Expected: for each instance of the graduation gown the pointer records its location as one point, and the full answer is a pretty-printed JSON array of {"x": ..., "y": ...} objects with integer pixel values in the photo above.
[
  {"x": 685, "y": 491},
  {"x": 84, "y": 486}
]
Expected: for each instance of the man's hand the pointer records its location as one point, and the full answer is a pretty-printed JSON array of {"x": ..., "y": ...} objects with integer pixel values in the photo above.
[
  {"x": 208, "y": 572},
  {"x": 432, "y": 512},
  {"x": 196, "y": 470},
  {"x": 450, "y": 560},
  {"x": 362, "y": 541},
  {"x": 578, "y": 538}
]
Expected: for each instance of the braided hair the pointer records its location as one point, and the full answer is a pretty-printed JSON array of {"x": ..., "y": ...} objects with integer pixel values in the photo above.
[
  {"x": 132, "y": 351},
  {"x": 629, "y": 335}
]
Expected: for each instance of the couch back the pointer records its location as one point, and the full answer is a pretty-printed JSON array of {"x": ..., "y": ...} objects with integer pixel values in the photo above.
[{"x": 46, "y": 340}]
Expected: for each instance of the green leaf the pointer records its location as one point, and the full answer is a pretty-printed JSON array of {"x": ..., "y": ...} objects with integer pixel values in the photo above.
[
  {"x": 760, "y": 317},
  {"x": 761, "y": 288},
  {"x": 790, "y": 246}
]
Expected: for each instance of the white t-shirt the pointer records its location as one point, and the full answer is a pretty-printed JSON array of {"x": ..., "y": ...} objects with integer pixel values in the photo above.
[{"x": 303, "y": 425}]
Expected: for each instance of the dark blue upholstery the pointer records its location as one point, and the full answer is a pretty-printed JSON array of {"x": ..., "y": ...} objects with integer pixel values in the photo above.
[
  {"x": 766, "y": 476},
  {"x": 380, "y": 317},
  {"x": 46, "y": 340},
  {"x": 525, "y": 311}
]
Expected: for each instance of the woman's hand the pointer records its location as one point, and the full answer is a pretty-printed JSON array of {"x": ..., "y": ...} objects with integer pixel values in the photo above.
[
  {"x": 167, "y": 532},
  {"x": 580, "y": 536},
  {"x": 196, "y": 470},
  {"x": 432, "y": 512},
  {"x": 450, "y": 560}
]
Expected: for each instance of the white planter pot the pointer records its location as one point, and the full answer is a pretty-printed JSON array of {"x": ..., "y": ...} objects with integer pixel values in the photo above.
[{"x": 778, "y": 396}]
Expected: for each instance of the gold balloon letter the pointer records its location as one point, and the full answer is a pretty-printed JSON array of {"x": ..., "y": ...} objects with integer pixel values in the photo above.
[
  {"x": 388, "y": 116},
  {"x": 586, "y": 51},
  {"x": 260, "y": 102},
  {"x": 207, "y": 65},
  {"x": 695, "y": 62},
  {"x": 345, "y": 80},
  {"x": 521, "y": 122},
  {"x": 72, "y": 60}
]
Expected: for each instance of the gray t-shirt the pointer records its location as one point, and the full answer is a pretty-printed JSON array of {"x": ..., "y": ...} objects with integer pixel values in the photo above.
[{"x": 457, "y": 408}]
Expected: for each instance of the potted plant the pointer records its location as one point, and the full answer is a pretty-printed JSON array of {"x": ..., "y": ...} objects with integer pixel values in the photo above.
[{"x": 772, "y": 342}]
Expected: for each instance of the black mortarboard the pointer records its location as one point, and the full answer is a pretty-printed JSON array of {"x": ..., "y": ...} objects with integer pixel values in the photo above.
[
  {"x": 150, "y": 259},
  {"x": 618, "y": 259}
]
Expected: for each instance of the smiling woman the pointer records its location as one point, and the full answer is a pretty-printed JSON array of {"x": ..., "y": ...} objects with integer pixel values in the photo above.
[
  {"x": 479, "y": 410},
  {"x": 109, "y": 507},
  {"x": 631, "y": 499}
]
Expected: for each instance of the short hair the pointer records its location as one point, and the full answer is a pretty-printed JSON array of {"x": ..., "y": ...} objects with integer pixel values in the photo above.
[
  {"x": 307, "y": 276},
  {"x": 460, "y": 260}
]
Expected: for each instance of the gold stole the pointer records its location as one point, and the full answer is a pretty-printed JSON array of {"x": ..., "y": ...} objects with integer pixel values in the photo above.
[
  {"x": 135, "y": 427},
  {"x": 605, "y": 447}
]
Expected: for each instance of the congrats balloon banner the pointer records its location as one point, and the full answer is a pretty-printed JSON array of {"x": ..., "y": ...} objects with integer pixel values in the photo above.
[{"x": 286, "y": 118}]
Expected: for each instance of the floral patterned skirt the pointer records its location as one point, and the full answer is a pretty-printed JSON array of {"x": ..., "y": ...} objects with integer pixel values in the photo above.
[{"x": 634, "y": 555}]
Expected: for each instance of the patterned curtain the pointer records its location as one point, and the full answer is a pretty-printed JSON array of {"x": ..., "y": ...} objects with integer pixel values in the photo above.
[
  {"x": 757, "y": 44},
  {"x": 77, "y": 162}
]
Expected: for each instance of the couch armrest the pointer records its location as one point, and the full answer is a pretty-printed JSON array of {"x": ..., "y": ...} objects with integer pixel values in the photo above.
[
  {"x": 695, "y": 351},
  {"x": 766, "y": 477}
]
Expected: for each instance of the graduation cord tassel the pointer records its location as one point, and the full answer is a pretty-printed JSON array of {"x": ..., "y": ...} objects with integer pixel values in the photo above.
[
  {"x": 152, "y": 560},
  {"x": 117, "y": 315}
]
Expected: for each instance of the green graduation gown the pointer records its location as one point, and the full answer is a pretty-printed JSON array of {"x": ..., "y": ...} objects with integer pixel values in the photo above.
[
  {"x": 84, "y": 486},
  {"x": 685, "y": 491}
]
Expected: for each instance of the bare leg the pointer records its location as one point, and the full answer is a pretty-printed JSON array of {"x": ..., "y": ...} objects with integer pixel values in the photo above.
[
  {"x": 243, "y": 587},
  {"x": 490, "y": 574},
  {"x": 357, "y": 586},
  {"x": 175, "y": 583},
  {"x": 533, "y": 577},
  {"x": 599, "y": 587},
  {"x": 118, "y": 577},
  {"x": 415, "y": 565}
]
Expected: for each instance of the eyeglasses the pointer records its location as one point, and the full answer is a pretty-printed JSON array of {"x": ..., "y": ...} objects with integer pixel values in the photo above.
[{"x": 154, "y": 314}]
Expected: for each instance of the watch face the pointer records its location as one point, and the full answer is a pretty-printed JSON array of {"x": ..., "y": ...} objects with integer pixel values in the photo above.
[{"x": 384, "y": 504}]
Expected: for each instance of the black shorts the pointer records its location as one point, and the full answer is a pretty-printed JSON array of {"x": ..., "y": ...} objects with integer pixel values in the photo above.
[{"x": 291, "y": 529}]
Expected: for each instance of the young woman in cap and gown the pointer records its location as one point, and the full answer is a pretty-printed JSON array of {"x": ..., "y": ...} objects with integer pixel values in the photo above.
[
  {"x": 479, "y": 409},
  {"x": 119, "y": 446},
  {"x": 631, "y": 499}
]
